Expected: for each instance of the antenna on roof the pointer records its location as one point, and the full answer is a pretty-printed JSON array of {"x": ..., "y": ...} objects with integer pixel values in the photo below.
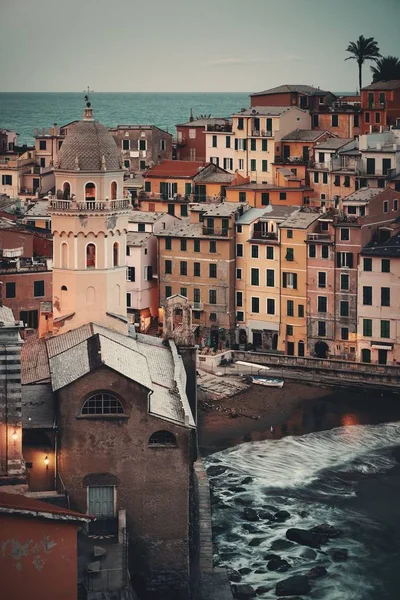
[
  {"x": 88, "y": 113},
  {"x": 87, "y": 96}
]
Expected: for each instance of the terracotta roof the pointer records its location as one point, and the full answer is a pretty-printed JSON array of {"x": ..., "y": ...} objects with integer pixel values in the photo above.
[
  {"x": 393, "y": 84},
  {"x": 309, "y": 90},
  {"x": 176, "y": 168},
  {"x": 303, "y": 135},
  {"x": 86, "y": 145},
  {"x": 25, "y": 506}
]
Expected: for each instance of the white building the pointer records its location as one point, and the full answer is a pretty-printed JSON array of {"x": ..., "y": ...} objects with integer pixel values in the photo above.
[{"x": 142, "y": 269}]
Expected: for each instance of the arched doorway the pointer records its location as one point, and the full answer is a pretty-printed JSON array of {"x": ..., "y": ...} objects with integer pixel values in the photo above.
[
  {"x": 66, "y": 191},
  {"x": 90, "y": 192},
  {"x": 242, "y": 337},
  {"x": 214, "y": 338},
  {"x": 38, "y": 453},
  {"x": 321, "y": 349},
  {"x": 114, "y": 189}
]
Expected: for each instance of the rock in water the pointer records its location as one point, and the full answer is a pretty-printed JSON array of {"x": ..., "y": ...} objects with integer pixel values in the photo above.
[
  {"x": 281, "y": 545},
  {"x": 317, "y": 572},
  {"x": 325, "y": 532},
  {"x": 278, "y": 564},
  {"x": 216, "y": 470},
  {"x": 292, "y": 586},
  {"x": 250, "y": 514},
  {"x": 340, "y": 554},
  {"x": 282, "y": 515},
  {"x": 234, "y": 576},
  {"x": 244, "y": 570},
  {"x": 256, "y": 541},
  {"x": 246, "y": 480},
  {"x": 263, "y": 589},
  {"x": 303, "y": 537},
  {"x": 244, "y": 591},
  {"x": 309, "y": 553}
]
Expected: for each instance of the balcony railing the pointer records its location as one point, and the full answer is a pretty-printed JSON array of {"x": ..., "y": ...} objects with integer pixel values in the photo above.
[
  {"x": 261, "y": 133},
  {"x": 264, "y": 235},
  {"x": 348, "y": 219},
  {"x": 90, "y": 205},
  {"x": 291, "y": 160},
  {"x": 376, "y": 105},
  {"x": 321, "y": 165},
  {"x": 199, "y": 306},
  {"x": 319, "y": 237},
  {"x": 218, "y": 232},
  {"x": 227, "y": 127}
]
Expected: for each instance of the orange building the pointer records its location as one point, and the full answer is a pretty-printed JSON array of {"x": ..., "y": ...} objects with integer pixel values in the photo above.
[
  {"x": 342, "y": 119},
  {"x": 294, "y": 232},
  {"x": 380, "y": 104},
  {"x": 197, "y": 261},
  {"x": 289, "y": 191},
  {"x": 175, "y": 183},
  {"x": 38, "y": 556}
]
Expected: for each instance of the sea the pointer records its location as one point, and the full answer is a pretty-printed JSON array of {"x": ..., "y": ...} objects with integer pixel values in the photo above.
[
  {"x": 24, "y": 112},
  {"x": 347, "y": 477}
]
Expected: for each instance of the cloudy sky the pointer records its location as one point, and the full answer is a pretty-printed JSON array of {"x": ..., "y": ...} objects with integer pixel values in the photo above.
[{"x": 187, "y": 45}]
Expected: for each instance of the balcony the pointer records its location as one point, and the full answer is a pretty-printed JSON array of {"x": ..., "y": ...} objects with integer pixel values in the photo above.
[
  {"x": 261, "y": 133},
  {"x": 269, "y": 236},
  {"x": 324, "y": 166},
  {"x": 291, "y": 160},
  {"x": 376, "y": 105},
  {"x": 221, "y": 128},
  {"x": 89, "y": 205},
  {"x": 198, "y": 306},
  {"x": 319, "y": 237},
  {"x": 215, "y": 231},
  {"x": 350, "y": 220}
]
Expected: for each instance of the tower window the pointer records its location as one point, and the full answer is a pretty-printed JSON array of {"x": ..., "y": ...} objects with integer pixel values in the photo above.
[
  {"x": 115, "y": 254},
  {"x": 114, "y": 189},
  {"x": 90, "y": 192},
  {"x": 64, "y": 255},
  {"x": 90, "y": 256},
  {"x": 162, "y": 438},
  {"x": 66, "y": 191}
]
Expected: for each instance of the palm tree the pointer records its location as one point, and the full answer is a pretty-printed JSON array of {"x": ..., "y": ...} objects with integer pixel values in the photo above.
[
  {"x": 386, "y": 68},
  {"x": 363, "y": 49}
]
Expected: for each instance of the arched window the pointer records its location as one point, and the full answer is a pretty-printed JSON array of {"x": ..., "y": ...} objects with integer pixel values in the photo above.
[
  {"x": 64, "y": 255},
  {"x": 114, "y": 189},
  {"x": 90, "y": 192},
  {"x": 64, "y": 288},
  {"x": 162, "y": 438},
  {"x": 66, "y": 190},
  {"x": 90, "y": 295},
  {"x": 90, "y": 256},
  {"x": 115, "y": 254},
  {"x": 102, "y": 404}
]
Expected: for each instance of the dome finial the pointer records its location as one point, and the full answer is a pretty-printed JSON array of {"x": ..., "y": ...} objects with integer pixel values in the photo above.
[{"x": 88, "y": 112}]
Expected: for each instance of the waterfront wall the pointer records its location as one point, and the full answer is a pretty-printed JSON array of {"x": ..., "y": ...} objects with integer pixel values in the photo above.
[{"x": 329, "y": 371}]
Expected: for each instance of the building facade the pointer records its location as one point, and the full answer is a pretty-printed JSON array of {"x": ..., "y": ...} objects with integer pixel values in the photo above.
[
  {"x": 380, "y": 103},
  {"x": 142, "y": 146}
]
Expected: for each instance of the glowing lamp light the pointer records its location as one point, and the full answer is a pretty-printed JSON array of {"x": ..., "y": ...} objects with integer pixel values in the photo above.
[
  {"x": 46, "y": 461},
  {"x": 14, "y": 435}
]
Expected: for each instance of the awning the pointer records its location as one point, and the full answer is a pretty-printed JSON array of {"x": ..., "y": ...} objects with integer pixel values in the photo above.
[{"x": 381, "y": 346}]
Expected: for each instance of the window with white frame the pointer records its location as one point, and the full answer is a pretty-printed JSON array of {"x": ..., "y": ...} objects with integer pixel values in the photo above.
[
  {"x": 192, "y": 134},
  {"x": 102, "y": 404},
  {"x": 163, "y": 145},
  {"x": 241, "y": 164}
]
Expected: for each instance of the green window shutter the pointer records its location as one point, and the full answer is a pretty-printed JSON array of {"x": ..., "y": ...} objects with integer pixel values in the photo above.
[
  {"x": 174, "y": 188},
  {"x": 253, "y": 165},
  {"x": 284, "y": 280},
  {"x": 253, "y": 144},
  {"x": 236, "y": 144},
  {"x": 265, "y": 165},
  {"x": 244, "y": 144},
  {"x": 264, "y": 145},
  {"x": 163, "y": 187},
  {"x": 269, "y": 124},
  {"x": 188, "y": 189},
  {"x": 147, "y": 186},
  {"x": 295, "y": 281}
]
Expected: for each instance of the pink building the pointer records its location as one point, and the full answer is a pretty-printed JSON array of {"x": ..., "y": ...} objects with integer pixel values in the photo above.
[{"x": 378, "y": 325}]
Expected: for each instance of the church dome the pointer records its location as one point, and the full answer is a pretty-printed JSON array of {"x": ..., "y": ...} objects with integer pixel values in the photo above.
[{"x": 89, "y": 146}]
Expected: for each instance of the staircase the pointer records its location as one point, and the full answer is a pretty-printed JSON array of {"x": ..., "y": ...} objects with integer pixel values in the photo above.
[
  {"x": 51, "y": 497},
  {"x": 153, "y": 329}
]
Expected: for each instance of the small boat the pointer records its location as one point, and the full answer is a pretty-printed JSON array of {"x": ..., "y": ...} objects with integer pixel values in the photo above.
[{"x": 267, "y": 381}]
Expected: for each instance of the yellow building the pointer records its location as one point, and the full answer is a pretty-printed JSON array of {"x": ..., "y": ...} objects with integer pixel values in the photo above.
[
  {"x": 257, "y": 133},
  {"x": 258, "y": 275},
  {"x": 293, "y": 261},
  {"x": 197, "y": 261}
]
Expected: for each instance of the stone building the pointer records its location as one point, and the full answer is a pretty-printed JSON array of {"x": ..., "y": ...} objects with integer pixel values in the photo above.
[{"x": 142, "y": 146}]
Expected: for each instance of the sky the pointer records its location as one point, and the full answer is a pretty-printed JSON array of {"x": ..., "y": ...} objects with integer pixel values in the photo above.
[{"x": 188, "y": 45}]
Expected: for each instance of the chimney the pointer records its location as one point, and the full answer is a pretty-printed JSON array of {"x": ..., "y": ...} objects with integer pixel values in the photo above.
[{"x": 191, "y": 119}]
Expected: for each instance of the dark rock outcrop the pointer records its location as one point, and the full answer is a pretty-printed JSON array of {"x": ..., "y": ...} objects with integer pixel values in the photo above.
[
  {"x": 282, "y": 515},
  {"x": 340, "y": 554},
  {"x": 293, "y": 586},
  {"x": 246, "y": 480},
  {"x": 281, "y": 545},
  {"x": 278, "y": 564},
  {"x": 243, "y": 591},
  {"x": 303, "y": 537},
  {"x": 325, "y": 532},
  {"x": 216, "y": 470},
  {"x": 234, "y": 576},
  {"x": 256, "y": 541},
  {"x": 250, "y": 514},
  {"x": 317, "y": 572}
]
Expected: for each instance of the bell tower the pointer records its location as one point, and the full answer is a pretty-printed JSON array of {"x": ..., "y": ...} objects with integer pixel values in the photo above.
[{"x": 89, "y": 217}]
